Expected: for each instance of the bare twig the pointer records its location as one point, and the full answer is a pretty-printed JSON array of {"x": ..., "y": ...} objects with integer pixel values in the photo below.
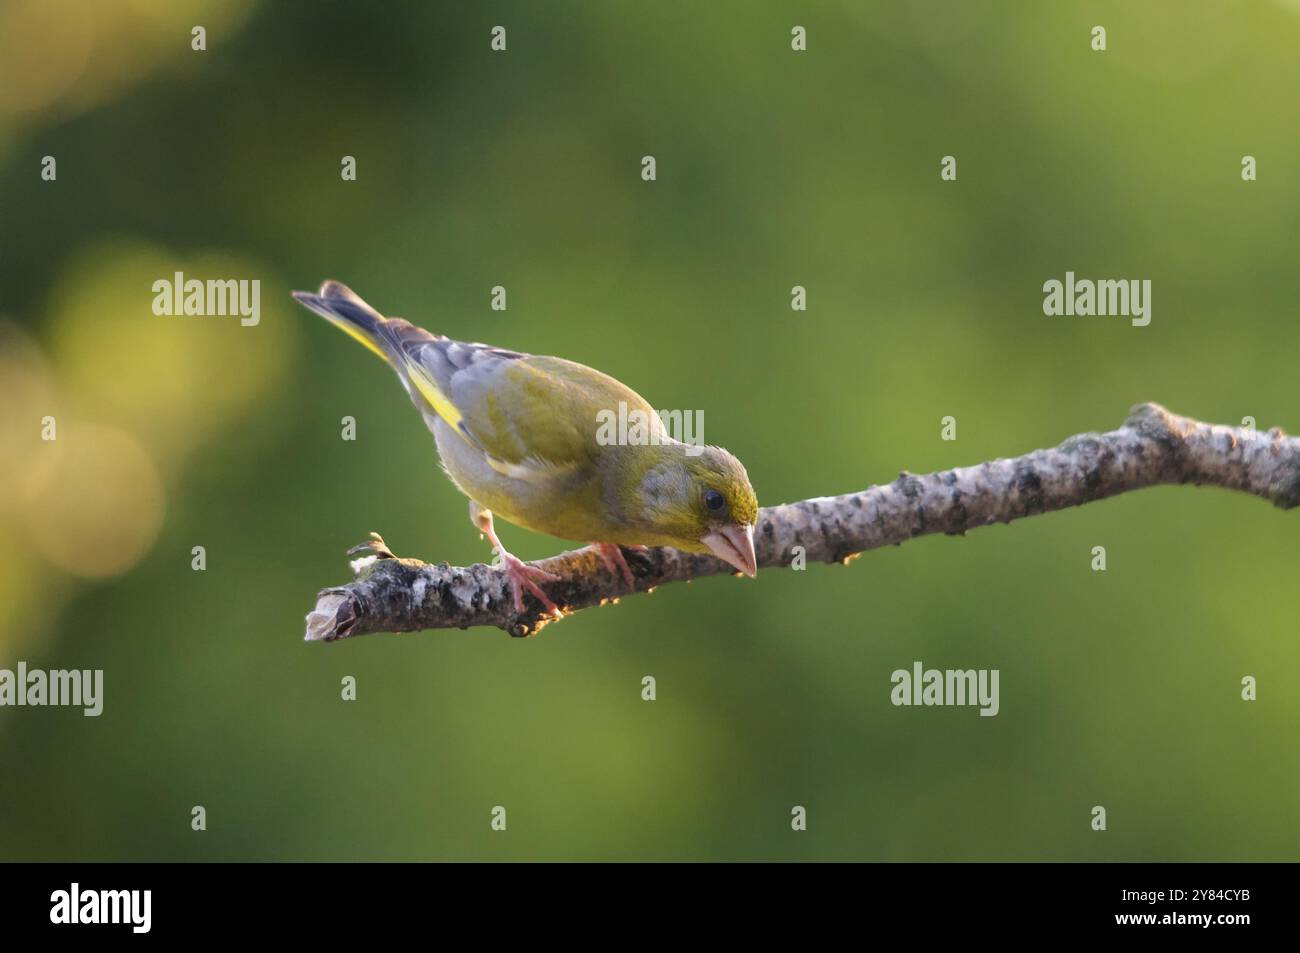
[{"x": 1153, "y": 447}]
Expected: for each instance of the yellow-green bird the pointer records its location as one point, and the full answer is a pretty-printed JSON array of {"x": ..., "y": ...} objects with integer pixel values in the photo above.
[{"x": 521, "y": 436}]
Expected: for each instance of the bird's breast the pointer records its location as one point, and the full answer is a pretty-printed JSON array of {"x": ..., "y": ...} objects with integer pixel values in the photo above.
[{"x": 565, "y": 503}]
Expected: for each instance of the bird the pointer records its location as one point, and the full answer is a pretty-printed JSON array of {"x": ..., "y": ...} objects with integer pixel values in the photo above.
[{"x": 519, "y": 435}]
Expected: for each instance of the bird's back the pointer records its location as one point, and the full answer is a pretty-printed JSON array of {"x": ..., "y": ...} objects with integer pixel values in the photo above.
[{"x": 508, "y": 424}]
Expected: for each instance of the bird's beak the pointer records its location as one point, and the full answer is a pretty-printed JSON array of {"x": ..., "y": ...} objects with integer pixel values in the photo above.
[{"x": 734, "y": 544}]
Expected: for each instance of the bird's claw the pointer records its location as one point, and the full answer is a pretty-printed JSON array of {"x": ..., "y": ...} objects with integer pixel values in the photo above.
[
  {"x": 522, "y": 576},
  {"x": 612, "y": 556}
]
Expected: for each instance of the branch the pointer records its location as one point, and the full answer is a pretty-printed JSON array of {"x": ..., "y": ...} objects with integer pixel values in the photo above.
[{"x": 1153, "y": 447}]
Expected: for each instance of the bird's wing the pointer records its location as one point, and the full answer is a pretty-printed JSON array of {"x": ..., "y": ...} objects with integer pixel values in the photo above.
[
  {"x": 530, "y": 416},
  {"x": 431, "y": 364}
]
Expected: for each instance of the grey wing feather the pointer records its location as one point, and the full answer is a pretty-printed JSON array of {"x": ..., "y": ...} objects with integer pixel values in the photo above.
[
  {"x": 462, "y": 371},
  {"x": 450, "y": 362}
]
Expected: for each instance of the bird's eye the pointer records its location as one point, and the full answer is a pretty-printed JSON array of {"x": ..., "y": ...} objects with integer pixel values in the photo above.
[{"x": 714, "y": 500}]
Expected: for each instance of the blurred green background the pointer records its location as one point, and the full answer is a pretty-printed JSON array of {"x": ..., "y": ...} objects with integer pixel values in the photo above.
[{"x": 522, "y": 169}]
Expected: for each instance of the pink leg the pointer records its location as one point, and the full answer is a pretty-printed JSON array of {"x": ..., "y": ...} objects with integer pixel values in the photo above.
[
  {"x": 521, "y": 575},
  {"x": 615, "y": 562}
]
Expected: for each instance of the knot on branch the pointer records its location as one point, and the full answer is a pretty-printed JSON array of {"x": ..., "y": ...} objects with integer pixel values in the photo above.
[{"x": 1167, "y": 430}]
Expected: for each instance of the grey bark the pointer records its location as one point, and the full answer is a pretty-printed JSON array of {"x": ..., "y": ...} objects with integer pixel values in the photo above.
[{"x": 1152, "y": 447}]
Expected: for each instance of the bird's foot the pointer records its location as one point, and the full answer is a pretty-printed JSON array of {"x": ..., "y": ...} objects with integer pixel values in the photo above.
[
  {"x": 612, "y": 556},
  {"x": 523, "y": 576}
]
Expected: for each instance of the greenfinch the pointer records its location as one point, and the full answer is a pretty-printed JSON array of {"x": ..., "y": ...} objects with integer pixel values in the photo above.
[{"x": 520, "y": 435}]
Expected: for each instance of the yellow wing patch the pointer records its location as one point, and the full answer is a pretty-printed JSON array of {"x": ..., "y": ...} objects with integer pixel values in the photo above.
[{"x": 429, "y": 390}]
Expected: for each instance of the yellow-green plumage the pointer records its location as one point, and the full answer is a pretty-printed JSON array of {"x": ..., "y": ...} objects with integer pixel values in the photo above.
[{"x": 518, "y": 434}]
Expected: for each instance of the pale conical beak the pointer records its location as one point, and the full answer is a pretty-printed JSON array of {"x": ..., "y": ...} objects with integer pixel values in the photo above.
[{"x": 734, "y": 544}]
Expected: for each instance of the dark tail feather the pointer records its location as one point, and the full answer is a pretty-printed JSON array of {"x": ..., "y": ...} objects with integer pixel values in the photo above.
[{"x": 339, "y": 305}]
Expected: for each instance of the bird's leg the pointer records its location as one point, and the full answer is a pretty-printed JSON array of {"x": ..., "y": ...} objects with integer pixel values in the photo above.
[
  {"x": 612, "y": 556},
  {"x": 521, "y": 575}
]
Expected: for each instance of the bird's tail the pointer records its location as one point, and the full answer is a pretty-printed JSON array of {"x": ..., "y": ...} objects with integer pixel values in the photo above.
[
  {"x": 392, "y": 339},
  {"x": 341, "y": 306}
]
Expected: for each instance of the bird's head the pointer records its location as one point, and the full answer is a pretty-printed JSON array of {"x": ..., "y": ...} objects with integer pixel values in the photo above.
[{"x": 700, "y": 501}]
